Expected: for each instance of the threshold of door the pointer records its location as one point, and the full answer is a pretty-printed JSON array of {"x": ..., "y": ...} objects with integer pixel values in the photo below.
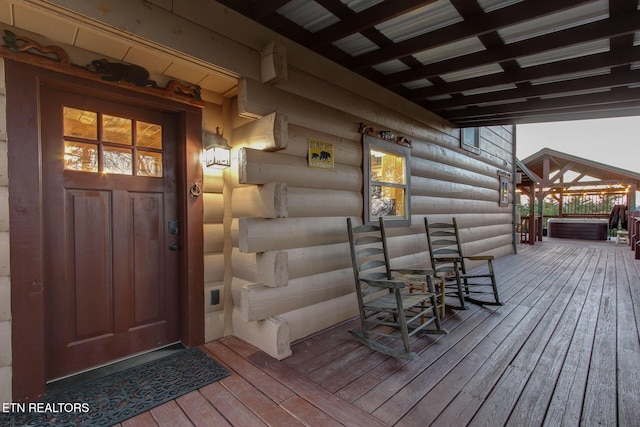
[{"x": 115, "y": 366}]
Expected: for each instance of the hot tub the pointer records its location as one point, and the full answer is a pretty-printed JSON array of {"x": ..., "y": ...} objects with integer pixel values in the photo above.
[{"x": 575, "y": 228}]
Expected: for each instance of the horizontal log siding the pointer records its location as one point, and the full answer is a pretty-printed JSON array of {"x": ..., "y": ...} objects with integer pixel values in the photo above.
[{"x": 446, "y": 181}]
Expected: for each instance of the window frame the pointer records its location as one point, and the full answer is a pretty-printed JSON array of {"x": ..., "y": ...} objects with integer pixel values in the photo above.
[
  {"x": 503, "y": 190},
  {"x": 372, "y": 143},
  {"x": 465, "y": 144}
]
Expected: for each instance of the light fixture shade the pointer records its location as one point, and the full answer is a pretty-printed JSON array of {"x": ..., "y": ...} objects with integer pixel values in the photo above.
[{"x": 216, "y": 151}]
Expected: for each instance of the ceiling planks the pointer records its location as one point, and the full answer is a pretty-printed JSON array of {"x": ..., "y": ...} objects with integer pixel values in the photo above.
[{"x": 477, "y": 62}]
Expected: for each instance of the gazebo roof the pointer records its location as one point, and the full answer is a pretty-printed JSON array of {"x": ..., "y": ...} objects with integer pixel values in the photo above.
[
  {"x": 563, "y": 162},
  {"x": 527, "y": 176}
]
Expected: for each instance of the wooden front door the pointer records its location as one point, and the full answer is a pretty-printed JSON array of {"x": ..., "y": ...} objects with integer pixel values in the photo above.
[{"x": 110, "y": 226}]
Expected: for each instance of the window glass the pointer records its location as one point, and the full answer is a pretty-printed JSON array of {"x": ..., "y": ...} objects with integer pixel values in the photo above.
[
  {"x": 118, "y": 161},
  {"x": 387, "y": 201},
  {"x": 470, "y": 137},
  {"x": 79, "y": 156},
  {"x": 80, "y": 123},
  {"x": 387, "y": 167},
  {"x": 148, "y": 135},
  {"x": 504, "y": 191},
  {"x": 116, "y": 129},
  {"x": 116, "y": 149},
  {"x": 149, "y": 164},
  {"x": 387, "y": 188}
]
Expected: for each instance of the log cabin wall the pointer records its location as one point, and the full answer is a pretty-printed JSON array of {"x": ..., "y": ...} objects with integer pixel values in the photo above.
[
  {"x": 275, "y": 253},
  {"x": 290, "y": 259}
]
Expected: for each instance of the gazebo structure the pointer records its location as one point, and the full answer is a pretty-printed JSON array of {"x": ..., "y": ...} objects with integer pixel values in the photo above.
[{"x": 572, "y": 190}]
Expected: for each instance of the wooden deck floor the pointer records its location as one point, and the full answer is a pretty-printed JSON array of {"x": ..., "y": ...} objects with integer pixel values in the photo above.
[{"x": 563, "y": 350}]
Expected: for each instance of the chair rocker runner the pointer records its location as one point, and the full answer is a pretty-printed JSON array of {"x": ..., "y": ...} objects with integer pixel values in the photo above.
[
  {"x": 388, "y": 311},
  {"x": 445, "y": 250}
]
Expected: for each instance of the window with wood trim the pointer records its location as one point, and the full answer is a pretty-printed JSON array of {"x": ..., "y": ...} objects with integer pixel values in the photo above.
[
  {"x": 504, "y": 191},
  {"x": 103, "y": 143},
  {"x": 470, "y": 139},
  {"x": 387, "y": 181}
]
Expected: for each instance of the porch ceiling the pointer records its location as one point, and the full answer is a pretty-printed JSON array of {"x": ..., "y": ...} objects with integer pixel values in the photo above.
[
  {"x": 477, "y": 62},
  {"x": 114, "y": 45}
]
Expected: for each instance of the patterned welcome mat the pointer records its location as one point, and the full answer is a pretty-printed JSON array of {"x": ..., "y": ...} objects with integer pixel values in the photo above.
[{"x": 114, "y": 398}]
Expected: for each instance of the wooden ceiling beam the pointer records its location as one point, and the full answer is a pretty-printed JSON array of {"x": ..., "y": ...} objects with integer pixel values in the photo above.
[
  {"x": 473, "y": 27},
  {"x": 569, "y": 66},
  {"x": 622, "y": 109},
  {"x": 605, "y": 81},
  {"x": 593, "y": 100},
  {"x": 255, "y": 10},
  {"x": 366, "y": 19},
  {"x": 604, "y": 28}
]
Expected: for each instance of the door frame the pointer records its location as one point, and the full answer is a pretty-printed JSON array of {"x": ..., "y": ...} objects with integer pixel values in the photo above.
[{"x": 23, "y": 82}]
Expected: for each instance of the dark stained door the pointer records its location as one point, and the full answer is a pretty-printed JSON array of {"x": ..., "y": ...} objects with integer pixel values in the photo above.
[{"x": 109, "y": 205}]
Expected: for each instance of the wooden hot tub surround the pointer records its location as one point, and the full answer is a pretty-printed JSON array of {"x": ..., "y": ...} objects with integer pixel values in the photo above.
[{"x": 578, "y": 228}]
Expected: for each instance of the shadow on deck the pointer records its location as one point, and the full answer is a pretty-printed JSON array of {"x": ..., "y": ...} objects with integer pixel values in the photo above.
[{"x": 563, "y": 350}]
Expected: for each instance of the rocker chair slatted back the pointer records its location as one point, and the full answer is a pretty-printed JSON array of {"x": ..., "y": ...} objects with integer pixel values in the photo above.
[
  {"x": 389, "y": 314},
  {"x": 446, "y": 254}
]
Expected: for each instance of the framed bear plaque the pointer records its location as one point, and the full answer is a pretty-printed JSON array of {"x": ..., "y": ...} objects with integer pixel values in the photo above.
[{"x": 320, "y": 154}]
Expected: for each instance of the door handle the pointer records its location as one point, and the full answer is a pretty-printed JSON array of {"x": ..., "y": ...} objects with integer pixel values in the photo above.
[{"x": 174, "y": 247}]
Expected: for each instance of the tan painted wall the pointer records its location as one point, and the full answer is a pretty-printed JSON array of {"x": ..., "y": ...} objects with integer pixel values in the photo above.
[
  {"x": 213, "y": 236},
  {"x": 5, "y": 279}
]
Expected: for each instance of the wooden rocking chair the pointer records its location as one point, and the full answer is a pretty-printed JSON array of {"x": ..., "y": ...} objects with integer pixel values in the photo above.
[
  {"x": 388, "y": 312},
  {"x": 445, "y": 250}
]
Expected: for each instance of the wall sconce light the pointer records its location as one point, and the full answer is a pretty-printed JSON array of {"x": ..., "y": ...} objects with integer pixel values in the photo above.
[{"x": 216, "y": 150}]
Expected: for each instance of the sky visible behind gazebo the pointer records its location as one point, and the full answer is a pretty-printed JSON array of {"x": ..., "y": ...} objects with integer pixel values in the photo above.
[{"x": 615, "y": 142}]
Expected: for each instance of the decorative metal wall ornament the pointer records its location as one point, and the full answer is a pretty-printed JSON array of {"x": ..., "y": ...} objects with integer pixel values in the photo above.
[
  {"x": 24, "y": 49},
  {"x": 120, "y": 72},
  {"x": 387, "y": 135},
  {"x": 12, "y": 45},
  {"x": 194, "y": 91}
]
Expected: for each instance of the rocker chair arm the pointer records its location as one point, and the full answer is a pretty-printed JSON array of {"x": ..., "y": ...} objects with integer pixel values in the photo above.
[
  {"x": 389, "y": 284},
  {"x": 480, "y": 258},
  {"x": 424, "y": 271},
  {"x": 450, "y": 259}
]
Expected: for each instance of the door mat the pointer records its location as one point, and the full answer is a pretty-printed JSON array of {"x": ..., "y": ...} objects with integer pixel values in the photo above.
[{"x": 114, "y": 398}]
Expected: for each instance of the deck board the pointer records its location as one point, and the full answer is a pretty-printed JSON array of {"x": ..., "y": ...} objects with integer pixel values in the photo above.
[
  {"x": 536, "y": 394},
  {"x": 599, "y": 406},
  {"x": 564, "y": 349},
  {"x": 170, "y": 415},
  {"x": 504, "y": 395},
  {"x": 232, "y": 408},
  {"x": 566, "y": 403},
  {"x": 481, "y": 346},
  {"x": 628, "y": 344},
  {"x": 201, "y": 414},
  {"x": 339, "y": 409},
  {"x": 275, "y": 391}
]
